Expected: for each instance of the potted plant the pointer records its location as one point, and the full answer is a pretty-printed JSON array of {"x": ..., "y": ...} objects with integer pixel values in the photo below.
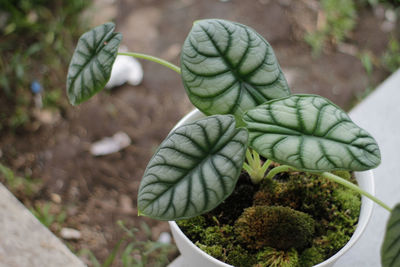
[{"x": 231, "y": 75}]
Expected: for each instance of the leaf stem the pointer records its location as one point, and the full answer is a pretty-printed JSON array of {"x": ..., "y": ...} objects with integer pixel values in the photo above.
[
  {"x": 276, "y": 170},
  {"x": 153, "y": 59},
  {"x": 354, "y": 187}
]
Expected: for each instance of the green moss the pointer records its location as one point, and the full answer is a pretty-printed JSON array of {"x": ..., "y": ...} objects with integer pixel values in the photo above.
[
  {"x": 349, "y": 201},
  {"x": 232, "y": 254},
  {"x": 283, "y": 193},
  {"x": 332, "y": 242},
  {"x": 274, "y": 226},
  {"x": 270, "y": 257},
  {"x": 238, "y": 256},
  {"x": 238, "y": 242},
  {"x": 230, "y": 209},
  {"x": 311, "y": 256},
  {"x": 311, "y": 194},
  {"x": 223, "y": 235},
  {"x": 215, "y": 251},
  {"x": 193, "y": 227}
]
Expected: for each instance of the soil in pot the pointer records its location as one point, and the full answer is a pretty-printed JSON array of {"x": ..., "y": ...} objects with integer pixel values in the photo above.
[{"x": 295, "y": 219}]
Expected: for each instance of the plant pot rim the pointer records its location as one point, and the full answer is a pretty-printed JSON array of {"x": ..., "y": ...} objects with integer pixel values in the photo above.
[{"x": 365, "y": 180}]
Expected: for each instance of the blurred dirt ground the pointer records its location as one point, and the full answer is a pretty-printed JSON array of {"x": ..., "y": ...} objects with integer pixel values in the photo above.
[{"x": 98, "y": 191}]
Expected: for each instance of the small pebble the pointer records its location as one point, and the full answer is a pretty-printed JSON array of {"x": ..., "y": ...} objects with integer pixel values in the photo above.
[
  {"x": 164, "y": 238},
  {"x": 390, "y": 15},
  {"x": 70, "y": 234},
  {"x": 126, "y": 204},
  {"x": 56, "y": 198}
]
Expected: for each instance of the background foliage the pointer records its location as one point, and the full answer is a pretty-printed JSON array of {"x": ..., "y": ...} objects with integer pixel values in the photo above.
[{"x": 36, "y": 40}]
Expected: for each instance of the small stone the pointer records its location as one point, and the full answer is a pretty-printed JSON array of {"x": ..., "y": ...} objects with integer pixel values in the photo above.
[
  {"x": 387, "y": 26},
  {"x": 56, "y": 198},
  {"x": 70, "y": 234},
  {"x": 164, "y": 238},
  {"x": 46, "y": 116},
  {"x": 125, "y": 203},
  {"x": 390, "y": 15}
]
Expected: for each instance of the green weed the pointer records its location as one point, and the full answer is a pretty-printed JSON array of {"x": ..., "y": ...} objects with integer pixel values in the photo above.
[
  {"x": 24, "y": 186},
  {"x": 340, "y": 20},
  {"x": 131, "y": 252},
  {"x": 36, "y": 43},
  {"x": 47, "y": 216},
  {"x": 391, "y": 58}
]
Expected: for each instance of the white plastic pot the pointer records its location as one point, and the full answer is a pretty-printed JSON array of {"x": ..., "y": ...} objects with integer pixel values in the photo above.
[{"x": 192, "y": 256}]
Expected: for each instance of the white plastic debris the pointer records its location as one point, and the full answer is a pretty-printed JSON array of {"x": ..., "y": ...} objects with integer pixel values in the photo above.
[
  {"x": 126, "y": 69},
  {"x": 165, "y": 238},
  {"x": 70, "y": 234},
  {"x": 109, "y": 145}
]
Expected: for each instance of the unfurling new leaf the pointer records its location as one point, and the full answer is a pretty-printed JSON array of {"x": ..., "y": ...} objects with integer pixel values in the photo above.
[
  {"x": 91, "y": 63},
  {"x": 310, "y": 133},
  {"x": 194, "y": 169},
  {"x": 228, "y": 68}
]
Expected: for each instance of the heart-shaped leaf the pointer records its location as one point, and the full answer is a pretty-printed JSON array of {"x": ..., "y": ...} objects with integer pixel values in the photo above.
[
  {"x": 228, "y": 68},
  {"x": 390, "y": 252},
  {"x": 91, "y": 63},
  {"x": 194, "y": 169},
  {"x": 310, "y": 133}
]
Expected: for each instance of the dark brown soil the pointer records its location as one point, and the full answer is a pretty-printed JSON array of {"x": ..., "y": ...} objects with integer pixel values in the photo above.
[{"x": 98, "y": 191}]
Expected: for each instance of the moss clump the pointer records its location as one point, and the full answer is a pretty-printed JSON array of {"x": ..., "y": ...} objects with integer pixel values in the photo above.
[
  {"x": 216, "y": 251},
  {"x": 230, "y": 209},
  {"x": 193, "y": 227},
  {"x": 231, "y": 254},
  {"x": 238, "y": 256},
  {"x": 306, "y": 192},
  {"x": 311, "y": 256},
  {"x": 349, "y": 201},
  {"x": 334, "y": 210},
  {"x": 274, "y": 226},
  {"x": 332, "y": 241},
  {"x": 219, "y": 242},
  {"x": 270, "y": 257},
  {"x": 220, "y": 235}
]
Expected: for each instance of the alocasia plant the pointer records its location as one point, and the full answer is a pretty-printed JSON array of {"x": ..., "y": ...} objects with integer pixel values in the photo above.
[{"x": 230, "y": 73}]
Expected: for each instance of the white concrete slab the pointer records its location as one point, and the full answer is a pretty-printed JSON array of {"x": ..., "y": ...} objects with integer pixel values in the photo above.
[
  {"x": 25, "y": 242},
  {"x": 379, "y": 114}
]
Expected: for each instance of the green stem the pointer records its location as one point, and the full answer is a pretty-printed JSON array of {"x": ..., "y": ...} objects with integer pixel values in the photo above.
[
  {"x": 276, "y": 170},
  {"x": 153, "y": 59},
  {"x": 350, "y": 185}
]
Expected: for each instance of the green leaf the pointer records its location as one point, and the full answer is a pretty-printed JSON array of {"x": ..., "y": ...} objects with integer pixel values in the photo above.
[
  {"x": 390, "y": 252},
  {"x": 194, "y": 169},
  {"x": 228, "y": 68},
  {"x": 91, "y": 63},
  {"x": 310, "y": 133}
]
